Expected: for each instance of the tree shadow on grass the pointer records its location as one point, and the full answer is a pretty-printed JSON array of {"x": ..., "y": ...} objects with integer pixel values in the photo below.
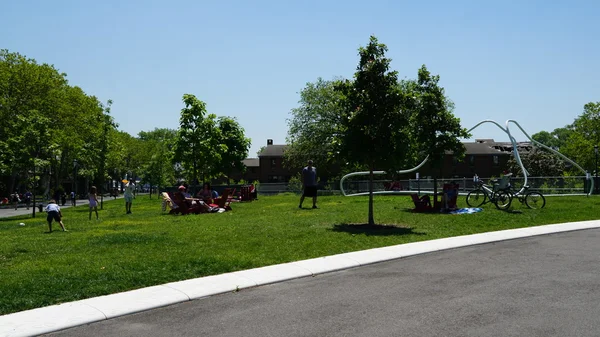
[
  {"x": 379, "y": 230},
  {"x": 21, "y": 217}
]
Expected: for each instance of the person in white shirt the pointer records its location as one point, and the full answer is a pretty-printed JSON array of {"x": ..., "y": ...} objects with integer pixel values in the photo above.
[
  {"x": 128, "y": 195},
  {"x": 54, "y": 214}
]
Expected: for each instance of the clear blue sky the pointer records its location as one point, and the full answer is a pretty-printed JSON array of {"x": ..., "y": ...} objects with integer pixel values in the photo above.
[{"x": 533, "y": 61}]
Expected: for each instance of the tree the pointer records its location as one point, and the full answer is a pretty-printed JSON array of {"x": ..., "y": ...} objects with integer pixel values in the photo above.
[
  {"x": 373, "y": 122},
  {"x": 197, "y": 147},
  {"x": 158, "y": 170},
  {"x": 434, "y": 128},
  {"x": 314, "y": 127},
  {"x": 538, "y": 163},
  {"x": 583, "y": 136},
  {"x": 236, "y": 145},
  {"x": 556, "y": 139}
]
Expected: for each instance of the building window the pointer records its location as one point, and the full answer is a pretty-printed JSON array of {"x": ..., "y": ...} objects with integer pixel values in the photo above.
[
  {"x": 496, "y": 161},
  {"x": 472, "y": 160},
  {"x": 273, "y": 162}
]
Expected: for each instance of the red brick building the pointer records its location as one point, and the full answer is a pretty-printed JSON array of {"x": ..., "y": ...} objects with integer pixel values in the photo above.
[{"x": 484, "y": 157}]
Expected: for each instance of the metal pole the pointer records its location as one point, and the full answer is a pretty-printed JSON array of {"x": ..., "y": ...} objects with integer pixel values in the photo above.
[
  {"x": 33, "y": 188},
  {"x": 75, "y": 181},
  {"x": 596, "y": 179}
]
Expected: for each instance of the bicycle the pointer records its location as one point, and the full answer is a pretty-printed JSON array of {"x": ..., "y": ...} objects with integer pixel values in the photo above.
[
  {"x": 484, "y": 193},
  {"x": 532, "y": 199}
]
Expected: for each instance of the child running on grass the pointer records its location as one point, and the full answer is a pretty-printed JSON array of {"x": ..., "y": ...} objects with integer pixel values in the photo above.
[
  {"x": 54, "y": 213},
  {"x": 93, "y": 198}
]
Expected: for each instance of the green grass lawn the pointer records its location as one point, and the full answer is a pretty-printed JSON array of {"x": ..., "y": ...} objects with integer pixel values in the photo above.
[{"x": 121, "y": 252}]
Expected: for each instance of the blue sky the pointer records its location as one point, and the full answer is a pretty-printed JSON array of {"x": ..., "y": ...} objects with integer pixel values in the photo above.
[{"x": 532, "y": 61}]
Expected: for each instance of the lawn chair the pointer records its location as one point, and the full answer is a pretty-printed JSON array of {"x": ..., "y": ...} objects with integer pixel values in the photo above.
[
  {"x": 422, "y": 204},
  {"x": 224, "y": 200}
]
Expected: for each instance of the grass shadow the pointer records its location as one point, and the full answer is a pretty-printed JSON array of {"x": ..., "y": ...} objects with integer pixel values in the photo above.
[
  {"x": 22, "y": 217},
  {"x": 374, "y": 230}
]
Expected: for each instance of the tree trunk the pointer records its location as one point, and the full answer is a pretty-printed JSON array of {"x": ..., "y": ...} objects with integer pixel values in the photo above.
[
  {"x": 435, "y": 204},
  {"x": 371, "y": 220}
]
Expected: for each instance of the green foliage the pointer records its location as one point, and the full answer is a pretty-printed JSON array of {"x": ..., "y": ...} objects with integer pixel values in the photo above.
[
  {"x": 434, "y": 129},
  {"x": 236, "y": 145},
  {"x": 295, "y": 183},
  {"x": 556, "y": 139},
  {"x": 538, "y": 163},
  {"x": 373, "y": 123},
  {"x": 583, "y": 135},
  {"x": 314, "y": 128},
  {"x": 197, "y": 147},
  {"x": 158, "y": 169},
  {"x": 31, "y": 93}
]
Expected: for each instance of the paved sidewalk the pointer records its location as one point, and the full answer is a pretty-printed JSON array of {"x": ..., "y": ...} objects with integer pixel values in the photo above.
[
  {"x": 22, "y": 209},
  {"x": 568, "y": 268},
  {"x": 537, "y": 286}
]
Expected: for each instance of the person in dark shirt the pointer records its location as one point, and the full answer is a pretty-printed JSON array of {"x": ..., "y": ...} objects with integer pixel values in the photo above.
[{"x": 309, "y": 183}]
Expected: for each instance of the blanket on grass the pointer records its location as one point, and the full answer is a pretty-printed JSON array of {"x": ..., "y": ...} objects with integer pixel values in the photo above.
[{"x": 466, "y": 211}]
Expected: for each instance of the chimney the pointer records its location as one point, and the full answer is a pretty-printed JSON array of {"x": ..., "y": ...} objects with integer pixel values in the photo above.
[{"x": 269, "y": 141}]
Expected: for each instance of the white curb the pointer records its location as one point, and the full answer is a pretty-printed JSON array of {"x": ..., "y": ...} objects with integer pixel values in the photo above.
[{"x": 67, "y": 315}]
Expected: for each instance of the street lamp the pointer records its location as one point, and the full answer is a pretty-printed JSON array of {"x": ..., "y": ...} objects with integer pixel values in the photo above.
[
  {"x": 75, "y": 181},
  {"x": 596, "y": 168}
]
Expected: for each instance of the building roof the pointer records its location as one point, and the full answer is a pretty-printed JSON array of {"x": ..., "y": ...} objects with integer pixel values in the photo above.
[
  {"x": 272, "y": 151},
  {"x": 251, "y": 162},
  {"x": 479, "y": 146}
]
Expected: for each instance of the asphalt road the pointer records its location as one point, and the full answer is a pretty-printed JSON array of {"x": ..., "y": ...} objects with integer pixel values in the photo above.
[{"x": 540, "y": 286}]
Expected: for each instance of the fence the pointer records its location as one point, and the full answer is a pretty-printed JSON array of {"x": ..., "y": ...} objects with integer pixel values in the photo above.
[{"x": 546, "y": 185}]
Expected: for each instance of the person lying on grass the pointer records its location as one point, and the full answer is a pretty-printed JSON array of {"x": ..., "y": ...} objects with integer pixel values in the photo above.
[{"x": 54, "y": 213}]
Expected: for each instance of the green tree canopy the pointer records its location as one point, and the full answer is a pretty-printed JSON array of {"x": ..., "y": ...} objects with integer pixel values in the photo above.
[
  {"x": 314, "y": 128},
  {"x": 373, "y": 124}
]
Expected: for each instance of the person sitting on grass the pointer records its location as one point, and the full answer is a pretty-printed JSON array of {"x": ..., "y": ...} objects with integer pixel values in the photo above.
[
  {"x": 191, "y": 203},
  {"x": 54, "y": 213}
]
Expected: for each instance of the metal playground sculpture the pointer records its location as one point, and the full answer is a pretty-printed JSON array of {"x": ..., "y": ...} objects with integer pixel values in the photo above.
[{"x": 506, "y": 129}]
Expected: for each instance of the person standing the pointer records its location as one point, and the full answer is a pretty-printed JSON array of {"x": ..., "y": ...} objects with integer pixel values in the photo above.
[
  {"x": 16, "y": 199},
  {"x": 28, "y": 197},
  {"x": 128, "y": 195},
  {"x": 54, "y": 214},
  {"x": 63, "y": 198},
  {"x": 93, "y": 198},
  {"x": 72, "y": 198},
  {"x": 309, "y": 182}
]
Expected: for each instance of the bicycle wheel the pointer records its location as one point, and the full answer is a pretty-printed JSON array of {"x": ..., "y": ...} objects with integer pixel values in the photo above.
[
  {"x": 535, "y": 200},
  {"x": 475, "y": 198},
  {"x": 502, "y": 200}
]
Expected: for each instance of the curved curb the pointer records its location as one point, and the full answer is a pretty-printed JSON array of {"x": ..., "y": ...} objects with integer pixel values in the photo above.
[{"x": 67, "y": 315}]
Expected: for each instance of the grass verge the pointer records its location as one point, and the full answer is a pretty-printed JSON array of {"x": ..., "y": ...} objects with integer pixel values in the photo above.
[{"x": 122, "y": 252}]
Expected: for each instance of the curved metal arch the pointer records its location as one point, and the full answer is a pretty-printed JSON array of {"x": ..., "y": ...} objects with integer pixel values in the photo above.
[
  {"x": 376, "y": 172},
  {"x": 515, "y": 153}
]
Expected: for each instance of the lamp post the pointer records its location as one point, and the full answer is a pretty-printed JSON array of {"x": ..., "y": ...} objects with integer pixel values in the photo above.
[
  {"x": 596, "y": 170},
  {"x": 75, "y": 181}
]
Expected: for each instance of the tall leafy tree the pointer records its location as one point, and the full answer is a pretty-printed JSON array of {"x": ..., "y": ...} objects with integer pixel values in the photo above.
[
  {"x": 434, "y": 128},
  {"x": 314, "y": 128},
  {"x": 584, "y": 135},
  {"x": 158, "y": 170},
  {"x": 236, "y": 144},
  {"x": 373, "y": 121},
  {"x": 197, "y": 147}
]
